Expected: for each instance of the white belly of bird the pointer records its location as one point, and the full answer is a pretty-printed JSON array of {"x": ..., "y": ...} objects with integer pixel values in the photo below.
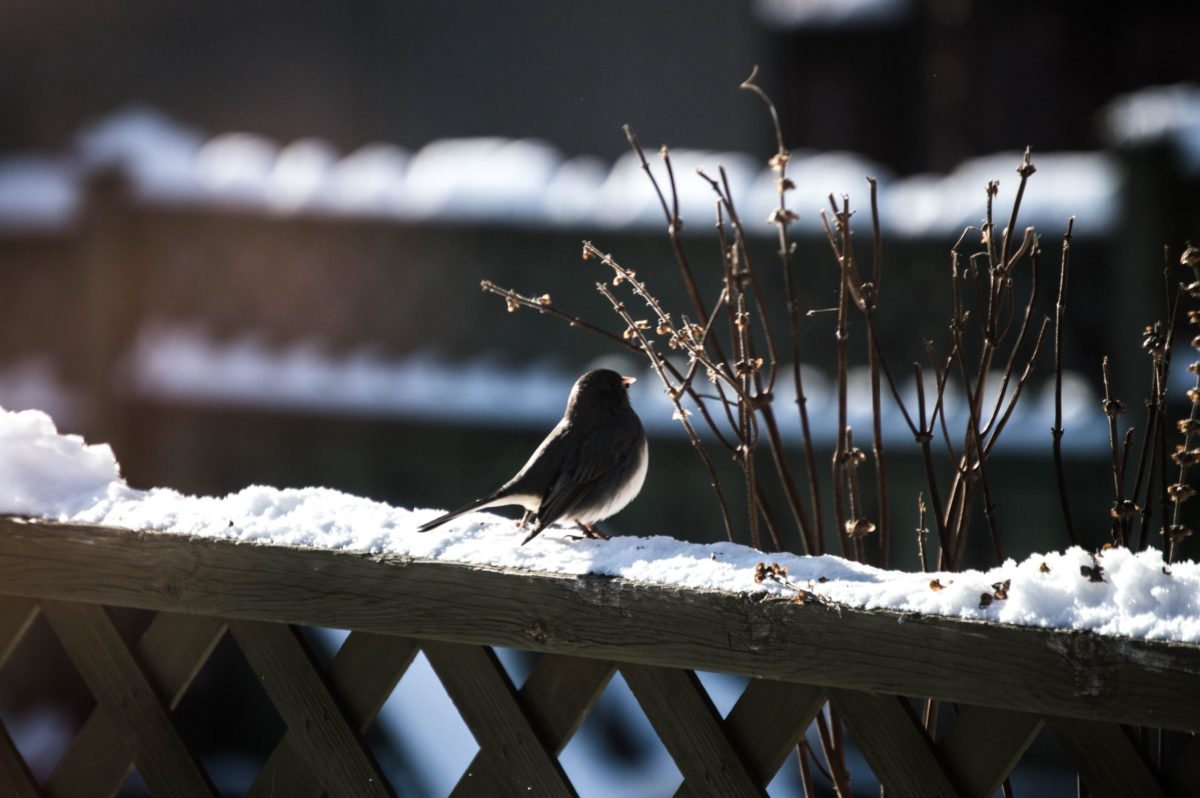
[{"x": 620, "y": 498}]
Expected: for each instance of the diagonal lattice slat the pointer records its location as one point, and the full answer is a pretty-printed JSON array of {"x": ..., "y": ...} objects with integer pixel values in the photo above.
[
  {"x": 361, "y": 676},
  {"x": 117, "y": 680},
  {"x": 318, "y": 729},
  {"x": 173, "y": 649},
  {"x": 15, "y": 778},
  {"x": 765, "y": 724},
  {"x": 893, "y": 742},
  {"x": 984, "y": 745},
  {"x": 1106, "y": 758},
  {"x": 691, "y": 729},
  {"x": 485, "y": 698},
  {"x": 1185, "y": 774},
  {"x": 556, "y": 698},
  {"x": 16, "y": 616}
]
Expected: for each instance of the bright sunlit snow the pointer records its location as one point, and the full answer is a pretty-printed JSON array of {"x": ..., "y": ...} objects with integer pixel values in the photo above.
[{"x": 45, "y": 474}]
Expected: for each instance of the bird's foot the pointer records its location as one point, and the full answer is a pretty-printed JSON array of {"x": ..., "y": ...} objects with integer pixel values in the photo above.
[{"x": 590, "y": 532}]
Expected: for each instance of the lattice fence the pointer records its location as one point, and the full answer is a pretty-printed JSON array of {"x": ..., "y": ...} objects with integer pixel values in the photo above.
[{"x": 1007, "y": 683}]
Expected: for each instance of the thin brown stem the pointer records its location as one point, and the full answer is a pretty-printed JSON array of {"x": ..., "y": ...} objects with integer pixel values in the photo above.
[
  {"x": 1060, "y": 309},
  {"x": 659, "y": 365}
]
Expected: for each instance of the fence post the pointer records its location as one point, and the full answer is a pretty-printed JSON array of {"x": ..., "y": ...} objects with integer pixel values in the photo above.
[{"x": 108, "y": 254}]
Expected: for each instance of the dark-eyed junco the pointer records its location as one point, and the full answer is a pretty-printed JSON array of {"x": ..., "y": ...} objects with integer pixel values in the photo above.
[{"x": 587, "y": 469}]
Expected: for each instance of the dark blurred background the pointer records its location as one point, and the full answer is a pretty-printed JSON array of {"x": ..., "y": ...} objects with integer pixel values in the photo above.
[
  {"x": 243, "y": 242},
  {"x": 919, "y": 85}
]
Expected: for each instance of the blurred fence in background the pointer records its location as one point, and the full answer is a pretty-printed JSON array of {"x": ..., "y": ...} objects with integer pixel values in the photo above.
[{"x": 225, "y": 310}]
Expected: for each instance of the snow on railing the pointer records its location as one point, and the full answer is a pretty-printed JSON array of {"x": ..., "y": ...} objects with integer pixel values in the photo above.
[{"x": 49, "y": 475}]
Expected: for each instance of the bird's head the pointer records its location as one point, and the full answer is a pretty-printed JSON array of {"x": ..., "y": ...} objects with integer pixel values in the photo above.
[{"x": 602, "y": 388}]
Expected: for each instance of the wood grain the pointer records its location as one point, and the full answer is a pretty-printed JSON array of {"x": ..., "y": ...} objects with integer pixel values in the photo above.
[
  {"x": 15, "y": 778},
  {"x": 984, "y": 745},
  {"x": 173, "y": 649},
  {"x": 894, "y": 743},
  {"x": 16, "y": 616},
  {"x": 1056, "y": 673},
  {"x": 117, "y": 680},
  {"x": 691, "y": 730},
  {"x": 556, "y": 698},
  {"x": 767, "y": 722},
  {"x": 1108, "y": 761},
  {"x": 361, "y": 676},
  {"x": 485, "y": 698},
  {"x": 316, "y": 726}
]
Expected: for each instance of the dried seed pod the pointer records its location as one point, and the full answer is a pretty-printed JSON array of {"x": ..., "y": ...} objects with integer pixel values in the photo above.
[
  {"x": 511, "y": 304},
  {"x": 985, "y": 600},
  {"x": 1177, "y": 532},
  {"x": 935, "y": 585},
  {"x": 1124, "y": 509},
  {"x": 1044, "y": 568},
  {"x": 1190, "y": 256},
  {"x": 1188, "y": 426},
  {"x": 1154, "y": 340},
  {"x": 1180, "y": 492},
  {"x": 779, "y": 160},
  {"x": 1184, "y": 456},
  {"x": 1113, "y": 407},
  {"x": 859, "y": 527},
  {"x": 544, "y": 300},
  {"x": 1094, "y": 573}
]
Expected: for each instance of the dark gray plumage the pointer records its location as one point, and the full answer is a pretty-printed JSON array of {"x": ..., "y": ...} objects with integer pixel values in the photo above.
[{"x": 587, "y": 469}]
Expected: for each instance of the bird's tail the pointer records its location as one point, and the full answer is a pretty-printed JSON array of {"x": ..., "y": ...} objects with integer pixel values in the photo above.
[{"x": 441, "y": 519}]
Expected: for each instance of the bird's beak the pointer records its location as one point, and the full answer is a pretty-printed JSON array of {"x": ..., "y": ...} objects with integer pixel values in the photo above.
[{"x": 627, "y": 381}]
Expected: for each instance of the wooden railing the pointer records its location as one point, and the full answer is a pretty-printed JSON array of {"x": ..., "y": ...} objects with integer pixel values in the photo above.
[{"x": 1006, "y": 683}]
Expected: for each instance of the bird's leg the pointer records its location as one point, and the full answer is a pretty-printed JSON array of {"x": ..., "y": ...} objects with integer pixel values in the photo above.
[
  {"x": 525, "y": 519},
  {"x": 590, "y": 531}
]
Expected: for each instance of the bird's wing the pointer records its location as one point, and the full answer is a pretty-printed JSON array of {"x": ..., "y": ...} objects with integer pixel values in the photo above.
[{"x": 583, "y": 466}]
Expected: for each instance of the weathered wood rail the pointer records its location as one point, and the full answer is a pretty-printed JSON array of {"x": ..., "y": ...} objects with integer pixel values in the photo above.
[{"x": 1006, "y": 682}]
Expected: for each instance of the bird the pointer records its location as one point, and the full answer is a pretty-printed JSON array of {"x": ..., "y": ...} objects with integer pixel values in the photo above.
[{"x": 589, "y": 467}]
